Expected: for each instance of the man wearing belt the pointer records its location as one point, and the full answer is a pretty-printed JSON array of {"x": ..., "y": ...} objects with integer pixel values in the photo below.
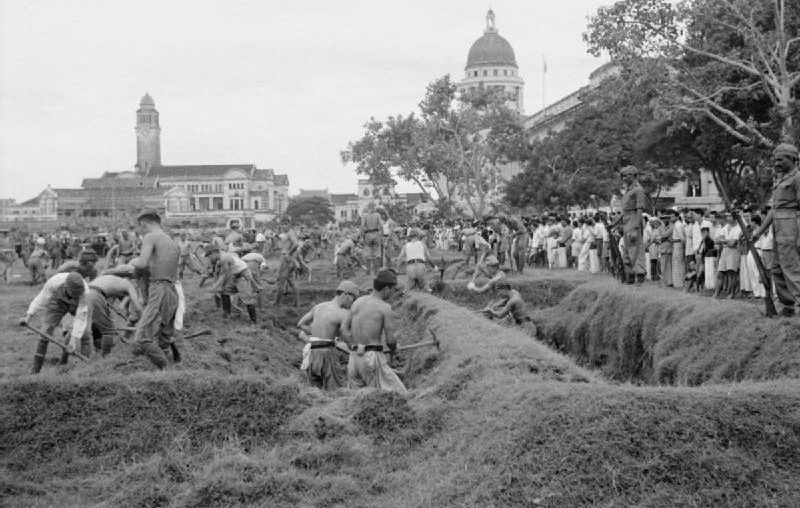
[
  {"x": 370, "y": 321},
  {"x": 632, "y": 204},
  {"x": 785, "y": 221},
  {"x": 372, "y": 229},
  {"x": 415, "y": 255},
  {"x": 101, "y": 290},
  {"x": 159, "y": 256},
  {"x": 62, "y": 294},
  {"x": 320, "y": 328},
  {"x": 235, "y": 278}
]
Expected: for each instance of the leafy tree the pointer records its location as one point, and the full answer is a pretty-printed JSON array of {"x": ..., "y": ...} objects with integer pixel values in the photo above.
[
  {"x": 454, "y": 146},
  {"x": 719, "y": 59},
  {"x": 313, "y": 211},
  {"x": 579, "y": 165}
]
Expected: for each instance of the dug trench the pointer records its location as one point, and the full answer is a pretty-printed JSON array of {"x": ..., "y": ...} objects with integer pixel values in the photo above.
[{"x": 496, "y": 418}]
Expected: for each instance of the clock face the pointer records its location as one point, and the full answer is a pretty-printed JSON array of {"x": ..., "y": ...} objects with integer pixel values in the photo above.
[{"x": 145, "y": 133}]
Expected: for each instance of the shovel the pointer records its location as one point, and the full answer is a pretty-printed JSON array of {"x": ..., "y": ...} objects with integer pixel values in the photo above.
[{"x": 58, "y": 343}]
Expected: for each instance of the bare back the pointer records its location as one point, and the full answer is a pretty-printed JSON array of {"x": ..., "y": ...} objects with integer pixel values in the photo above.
[
  {"x": 328, "y": 319},
  {"x": 163, "y": 262},
  {"x": 370, "y": 318}
]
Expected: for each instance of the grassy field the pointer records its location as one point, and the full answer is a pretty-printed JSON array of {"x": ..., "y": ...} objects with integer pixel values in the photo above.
[{"x": 496, "y": 419}]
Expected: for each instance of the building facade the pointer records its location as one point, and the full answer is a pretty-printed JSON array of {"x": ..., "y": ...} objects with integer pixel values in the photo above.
[
  {"x": 215, "y": 194},
  {"x": 492, "y": 65}
]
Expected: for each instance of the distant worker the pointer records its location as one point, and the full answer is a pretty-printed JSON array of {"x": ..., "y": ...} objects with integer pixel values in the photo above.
[
  {"x": 37, "y": 262},
  {"x": 372, "y": 229},
  {"x": 415, "y": 255},
  {"x": 234, "y": 278}
]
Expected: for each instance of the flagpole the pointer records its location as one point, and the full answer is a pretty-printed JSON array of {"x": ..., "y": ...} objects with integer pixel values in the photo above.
[{"x": 544, "y": 80}]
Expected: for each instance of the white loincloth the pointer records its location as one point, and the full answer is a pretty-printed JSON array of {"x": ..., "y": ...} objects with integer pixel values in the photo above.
[
  {"x": 181, "y": 306},
  {"x": 307, "y": 351}
]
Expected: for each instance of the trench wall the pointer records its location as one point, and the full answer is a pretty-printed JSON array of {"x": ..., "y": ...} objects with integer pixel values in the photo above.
[{"x": 656, "y": 336}]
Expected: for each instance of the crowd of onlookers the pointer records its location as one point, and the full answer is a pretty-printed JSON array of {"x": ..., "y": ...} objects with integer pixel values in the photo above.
[{"x": 689, "y": 249}]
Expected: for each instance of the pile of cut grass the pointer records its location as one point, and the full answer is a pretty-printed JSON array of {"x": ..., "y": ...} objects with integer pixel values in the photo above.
[{"x": 657, "y": 336}]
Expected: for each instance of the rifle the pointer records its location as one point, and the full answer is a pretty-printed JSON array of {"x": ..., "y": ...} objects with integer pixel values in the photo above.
[
  {"x": 769, "y": 304},
  {"x": 616, "y": 256}
]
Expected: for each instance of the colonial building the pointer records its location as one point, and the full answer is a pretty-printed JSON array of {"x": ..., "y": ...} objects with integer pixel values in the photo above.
[
  {"x": 348, "y": 207},
  {"x": 492, "y": 65},
  {"x": 217, "y": 194},
  {"x": 694, "y": 192}
]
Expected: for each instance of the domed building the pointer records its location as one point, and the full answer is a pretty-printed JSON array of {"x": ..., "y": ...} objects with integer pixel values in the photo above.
[{"x": 491, "y": 64}]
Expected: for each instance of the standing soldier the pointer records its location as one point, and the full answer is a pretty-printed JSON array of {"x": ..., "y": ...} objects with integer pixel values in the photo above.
[
  {"x": 159, "y": 256},
  {"x": 632, "y": 204},
  {"x": 372, "y": 229},
  {"x": 785, "y": 221}
]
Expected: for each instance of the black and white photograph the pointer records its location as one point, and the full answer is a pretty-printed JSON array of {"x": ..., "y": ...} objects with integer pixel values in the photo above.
[{"x": 362, "y": 254}]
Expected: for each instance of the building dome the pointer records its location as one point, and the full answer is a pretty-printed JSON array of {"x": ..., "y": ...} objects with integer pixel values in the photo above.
[
  {"x": 147, "y": 100},
  {"x": 491, "y": 48}
]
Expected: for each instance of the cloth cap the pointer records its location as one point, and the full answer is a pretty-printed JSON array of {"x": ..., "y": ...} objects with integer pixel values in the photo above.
[
  {"x": 208, "y": 249},
  {"x": 629, "y": 170},
  {"x": 74, "y": 284},
  {"x": 387, "y": 275},
  {"x": 149, "y": 213},
  {"x": 88, "y": 255},
  {"x": 787, "y": 149},
  {"x": 491, "y": 260},
  {"x": 348, "y": 287}
]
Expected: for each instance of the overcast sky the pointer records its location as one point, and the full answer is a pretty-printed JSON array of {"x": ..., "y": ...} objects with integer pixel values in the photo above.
[{"x": 284, "y": 85}]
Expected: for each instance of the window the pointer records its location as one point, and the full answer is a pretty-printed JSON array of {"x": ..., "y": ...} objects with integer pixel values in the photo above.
[
  {"x": 255, "y": 204},
  {"x": 495, "y": 72},
  {"x": 485, "y": 72},
  {"x": 505, "y": 72},
  {"x": 476, "y": 74},
  {"x": 693, "y": 188},
  {"x": 217, "y": 203}
]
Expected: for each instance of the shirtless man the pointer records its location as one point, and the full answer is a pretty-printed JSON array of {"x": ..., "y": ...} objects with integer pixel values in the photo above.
[
  {"x": 159, "y": 256},
  {"x": 126, "y": 248},
  {"x": 509, "y": 303},
  {"x": 372, "y": 229},
  {"x": 320, "y": 328},
  {"x": 84, "y": 264},
  {"x": 490, "y": 268},
  {"x": 102, "y": 290},
  {"x": 234, "y": 278},
  {"x": 369, "y": 324}
]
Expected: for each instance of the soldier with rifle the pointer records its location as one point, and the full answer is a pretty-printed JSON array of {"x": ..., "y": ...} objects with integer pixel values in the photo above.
[
  {"x": 784, "y": 218},
  {"x": 632, "y": 204}
]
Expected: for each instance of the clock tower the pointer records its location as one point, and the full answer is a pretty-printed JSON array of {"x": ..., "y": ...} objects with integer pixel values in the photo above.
[{"x": 148, "y": 136}]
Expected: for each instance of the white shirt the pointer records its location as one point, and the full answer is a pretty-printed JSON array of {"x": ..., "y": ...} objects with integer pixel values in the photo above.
[
  {"x": 81, "y": 315},
  {"x": 415, "y": 251}
]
